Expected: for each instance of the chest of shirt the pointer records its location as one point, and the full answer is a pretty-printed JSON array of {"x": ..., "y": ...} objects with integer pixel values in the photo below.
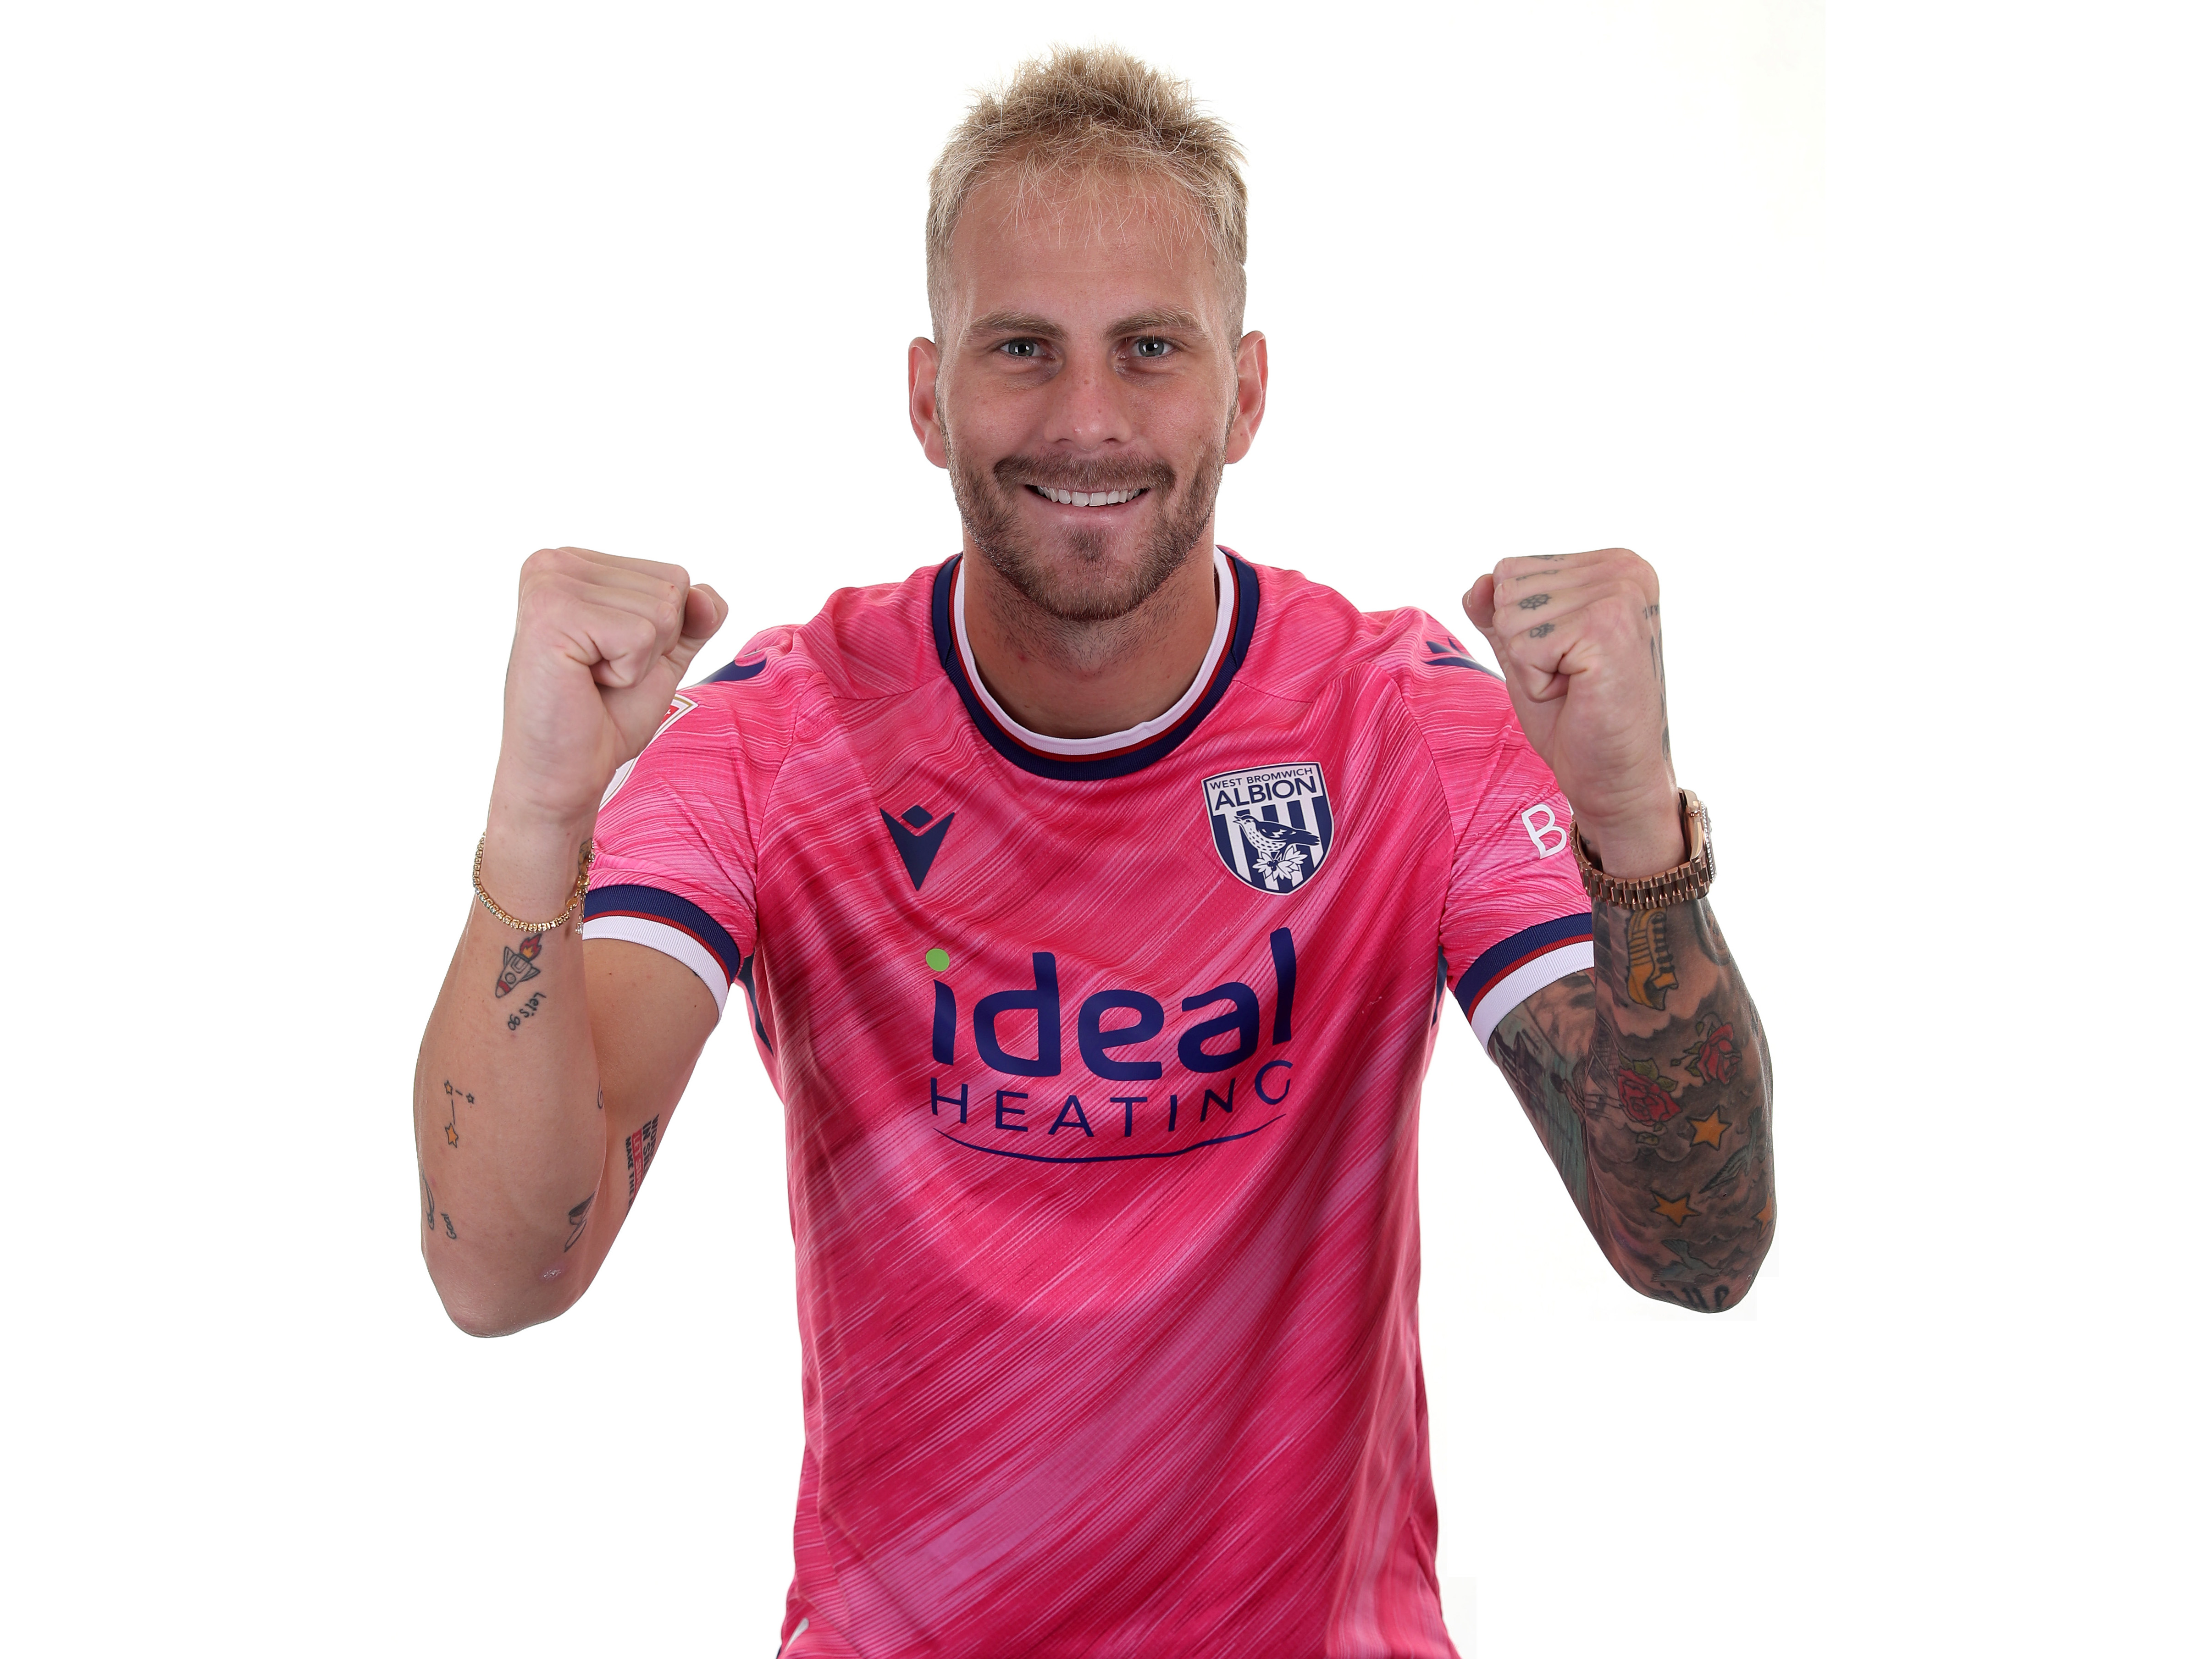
[{"x": 1056, "y": 962}]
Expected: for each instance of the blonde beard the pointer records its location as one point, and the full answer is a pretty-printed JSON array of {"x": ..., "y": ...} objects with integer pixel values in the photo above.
[{"x": 1062, "y": 605}]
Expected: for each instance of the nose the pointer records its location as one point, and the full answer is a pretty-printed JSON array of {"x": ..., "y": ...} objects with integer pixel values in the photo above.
[{"x": 1090, "y": 407}]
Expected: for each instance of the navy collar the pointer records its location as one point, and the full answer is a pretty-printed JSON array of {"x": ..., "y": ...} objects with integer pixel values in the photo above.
[{"x": 1118, "y": 763}]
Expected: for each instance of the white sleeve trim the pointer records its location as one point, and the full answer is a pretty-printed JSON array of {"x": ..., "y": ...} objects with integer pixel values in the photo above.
[
  {"x": 1524, "y": 982},
  {"x": 670, "y": 942}
]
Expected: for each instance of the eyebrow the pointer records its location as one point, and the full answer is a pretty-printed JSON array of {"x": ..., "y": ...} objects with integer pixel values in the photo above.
[
  {"x": 1167, "y": 320},
  {"x": 1017, "y": 322}
]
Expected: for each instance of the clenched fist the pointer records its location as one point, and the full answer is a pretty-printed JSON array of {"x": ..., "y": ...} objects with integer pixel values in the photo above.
[
  {"x": 1577, "y": 635},
  {"x": 600, "y": 644}
]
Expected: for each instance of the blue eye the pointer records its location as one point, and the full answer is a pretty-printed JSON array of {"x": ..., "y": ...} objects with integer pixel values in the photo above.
[
  {"x": 1020, "y": 348},
  {"x": 1151, "y": 346}
]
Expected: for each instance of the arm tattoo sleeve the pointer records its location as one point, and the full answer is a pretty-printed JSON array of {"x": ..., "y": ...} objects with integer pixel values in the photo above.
[{"x": 1647, "y": 1079}]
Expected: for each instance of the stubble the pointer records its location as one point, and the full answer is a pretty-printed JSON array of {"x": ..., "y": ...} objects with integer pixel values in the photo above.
[{"x": 1076, "y": 585}]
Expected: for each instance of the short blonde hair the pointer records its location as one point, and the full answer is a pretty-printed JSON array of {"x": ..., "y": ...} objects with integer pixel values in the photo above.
[{"x": 1084, "y": 111}]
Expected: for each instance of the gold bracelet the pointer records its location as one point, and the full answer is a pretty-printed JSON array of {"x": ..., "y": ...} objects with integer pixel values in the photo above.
[{"x": 583, "y": 881}]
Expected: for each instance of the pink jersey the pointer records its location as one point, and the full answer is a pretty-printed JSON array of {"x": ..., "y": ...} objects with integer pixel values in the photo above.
[{"x": 1101, "y": 1063}]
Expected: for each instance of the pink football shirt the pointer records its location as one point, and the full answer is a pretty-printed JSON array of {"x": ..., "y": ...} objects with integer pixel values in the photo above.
[{"x": 1101, "y": 1063}]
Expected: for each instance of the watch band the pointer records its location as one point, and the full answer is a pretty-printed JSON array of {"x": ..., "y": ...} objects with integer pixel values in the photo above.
[{"x": 1692, "y": 878}]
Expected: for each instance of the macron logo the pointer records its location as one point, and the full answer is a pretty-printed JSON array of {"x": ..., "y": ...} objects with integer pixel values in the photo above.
[
  {"x": 1448, "y": 652},
  {"x": 917, "y": 839}
]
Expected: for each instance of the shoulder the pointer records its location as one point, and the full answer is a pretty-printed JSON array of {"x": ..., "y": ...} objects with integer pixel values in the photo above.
[
  {"x": 864, "y": 644},
  {"x": 1311, "y": 639},
  {"x": 729, "y": 733},
  {"x": 1404, "y": 665}
]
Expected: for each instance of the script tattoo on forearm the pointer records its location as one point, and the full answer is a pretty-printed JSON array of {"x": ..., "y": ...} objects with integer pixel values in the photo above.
[
  {"x": 1656, "y": 1116},
  {"x": 431, "y": 1215}
]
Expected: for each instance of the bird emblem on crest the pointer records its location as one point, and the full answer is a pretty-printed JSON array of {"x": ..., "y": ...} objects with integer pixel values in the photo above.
[{"x": 1279, "y": 849}]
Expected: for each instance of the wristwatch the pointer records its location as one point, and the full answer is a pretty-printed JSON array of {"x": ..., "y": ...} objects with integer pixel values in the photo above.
[{"x": 1692, "y": 878}]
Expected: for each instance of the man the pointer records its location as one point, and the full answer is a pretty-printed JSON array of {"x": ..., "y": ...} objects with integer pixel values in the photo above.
[{"x": 1093, "y": 898}]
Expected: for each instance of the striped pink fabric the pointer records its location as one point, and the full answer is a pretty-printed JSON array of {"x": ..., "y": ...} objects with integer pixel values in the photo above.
[{"x": 1101, "y": 1077}]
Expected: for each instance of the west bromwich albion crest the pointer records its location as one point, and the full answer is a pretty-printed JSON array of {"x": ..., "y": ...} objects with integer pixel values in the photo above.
[{"x": 1272, "y": 824}]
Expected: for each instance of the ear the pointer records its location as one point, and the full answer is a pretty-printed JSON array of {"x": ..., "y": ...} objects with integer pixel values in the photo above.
[
  {"x": 921, "y": 399},
  {"x": 1251, "y": 395}
]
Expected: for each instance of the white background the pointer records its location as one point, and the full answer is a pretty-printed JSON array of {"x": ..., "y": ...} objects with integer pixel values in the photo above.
[{"x": 1882, "y": 335}]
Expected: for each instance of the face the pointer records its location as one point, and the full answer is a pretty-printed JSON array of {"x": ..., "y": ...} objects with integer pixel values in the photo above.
[{"x": 1086, "y": 393}]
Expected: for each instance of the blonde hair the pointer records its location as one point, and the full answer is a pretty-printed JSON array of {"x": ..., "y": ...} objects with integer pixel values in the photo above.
[{"x": 1080, "y": 113}]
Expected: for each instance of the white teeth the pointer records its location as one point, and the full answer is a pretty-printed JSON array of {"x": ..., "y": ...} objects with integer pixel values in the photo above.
[{"x": 1092, "y": 498}]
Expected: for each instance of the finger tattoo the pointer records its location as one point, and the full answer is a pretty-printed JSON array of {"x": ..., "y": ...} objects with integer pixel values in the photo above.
[
  {"x": 1535, "y": 601},
  {"x": 1540, "y": 629}
]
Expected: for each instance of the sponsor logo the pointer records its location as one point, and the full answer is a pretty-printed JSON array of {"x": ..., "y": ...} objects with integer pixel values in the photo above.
[
  {"x": 1272, "y": 824},
  {"x": 1232, "y": 1034},
  {"x": 917, "y": 839}
]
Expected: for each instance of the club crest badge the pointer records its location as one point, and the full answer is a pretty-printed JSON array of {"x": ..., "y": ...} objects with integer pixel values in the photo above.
[{"x": 1272, "y": 824}]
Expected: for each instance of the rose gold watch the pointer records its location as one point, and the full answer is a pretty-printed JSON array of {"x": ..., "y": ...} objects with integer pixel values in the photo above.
[{"x": 1692, "y": 878}]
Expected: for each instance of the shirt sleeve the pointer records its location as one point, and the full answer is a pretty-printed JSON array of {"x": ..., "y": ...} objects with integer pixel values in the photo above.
[
  {"x": 1516, "y": 916},
  {"x": 676, "y": 842}
]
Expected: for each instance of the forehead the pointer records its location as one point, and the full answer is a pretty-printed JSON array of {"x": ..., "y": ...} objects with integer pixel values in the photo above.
[{"x": 1050, "y": 241}]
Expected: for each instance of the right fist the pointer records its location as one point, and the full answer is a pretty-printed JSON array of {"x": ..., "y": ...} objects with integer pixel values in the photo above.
[{"x": 600, "y": 646}]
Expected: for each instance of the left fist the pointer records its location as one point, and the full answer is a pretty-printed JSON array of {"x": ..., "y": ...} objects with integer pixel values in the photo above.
[{"x": 1577, "y": 636}]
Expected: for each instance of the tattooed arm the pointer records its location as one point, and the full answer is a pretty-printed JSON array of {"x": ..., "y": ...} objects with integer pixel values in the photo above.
[
  {"x": 550, "y": 1067},
  {"x": 1647, "y": 1078},
  {"x": 1647, "y": 1081},
  {"x": 533, "y": 1133}
]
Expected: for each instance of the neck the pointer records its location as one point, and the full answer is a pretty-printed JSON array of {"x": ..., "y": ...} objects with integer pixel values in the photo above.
[{"x": 1064, "y": 679}]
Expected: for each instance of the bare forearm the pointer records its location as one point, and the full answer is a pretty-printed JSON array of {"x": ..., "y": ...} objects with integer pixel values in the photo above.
[
  {"x": 517, "y": 1141},
  {"x": 509, "y": 1129},
  {"x": 1647, "y": 1080}
]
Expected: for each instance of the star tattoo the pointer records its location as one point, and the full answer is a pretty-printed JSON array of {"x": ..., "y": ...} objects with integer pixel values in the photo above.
[{"x": 1676, "y": 1210}]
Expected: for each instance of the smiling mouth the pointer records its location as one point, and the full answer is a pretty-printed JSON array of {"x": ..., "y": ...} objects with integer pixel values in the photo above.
[{"x": 1090, "y": 498}]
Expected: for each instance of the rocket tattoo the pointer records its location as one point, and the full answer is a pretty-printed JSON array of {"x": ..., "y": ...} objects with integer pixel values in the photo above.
[{"x": 516, "y": 966}]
